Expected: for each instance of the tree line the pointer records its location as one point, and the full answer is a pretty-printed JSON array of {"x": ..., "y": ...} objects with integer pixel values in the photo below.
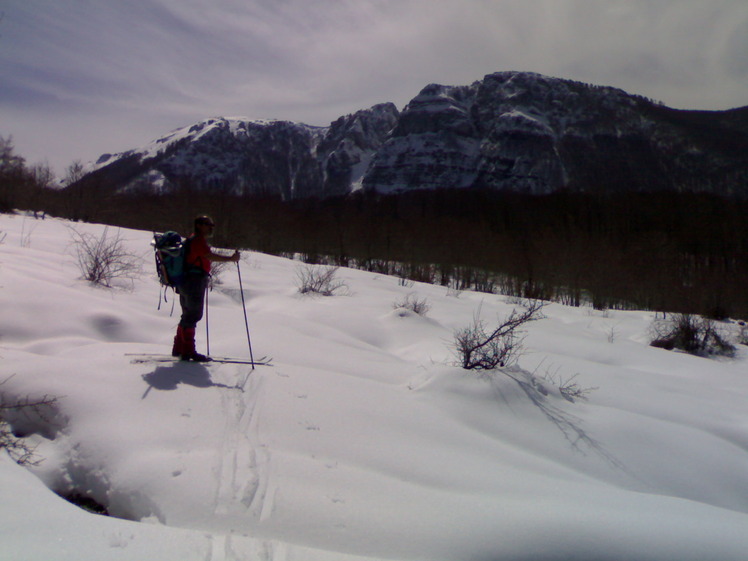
[{"x": 677, "y": 252}]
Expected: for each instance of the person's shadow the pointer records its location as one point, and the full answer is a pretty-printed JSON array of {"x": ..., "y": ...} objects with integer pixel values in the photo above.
[{"x": 167, "y": 378}]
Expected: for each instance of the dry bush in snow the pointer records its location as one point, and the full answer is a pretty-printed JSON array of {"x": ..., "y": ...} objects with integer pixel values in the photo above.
[
  {"x": 480, "y": 348},
  {"x": 105, "y": 258},
  {"x": 10, "y": 409},
  {"x": 414, "y": 304},
  {"x": 693, "y": 334},
  {"x": 319, "y": 279}
]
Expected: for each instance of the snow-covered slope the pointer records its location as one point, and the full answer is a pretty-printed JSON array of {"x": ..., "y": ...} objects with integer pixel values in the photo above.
[
  {"x": 362, "y": 441},
  {"x": 252, "y": 157}
]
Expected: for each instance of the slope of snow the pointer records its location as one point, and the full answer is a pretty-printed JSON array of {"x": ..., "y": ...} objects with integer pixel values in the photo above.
[
  {"x": 362, "y": 440},
  {"x": 237, "y": 126}
]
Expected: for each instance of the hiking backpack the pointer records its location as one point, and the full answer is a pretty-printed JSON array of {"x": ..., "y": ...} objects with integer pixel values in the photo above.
[{"x": 170, "y": 251}]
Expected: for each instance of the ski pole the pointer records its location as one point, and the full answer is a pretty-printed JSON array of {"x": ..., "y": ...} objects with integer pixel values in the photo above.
[
  {"x": 207, "y": 323},
  {"x": 246, "y": 322}
]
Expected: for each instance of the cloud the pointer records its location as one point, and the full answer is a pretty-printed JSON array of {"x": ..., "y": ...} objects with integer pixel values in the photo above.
[
  {"x": 673, "y": 51},
  {"x": 154, "y": 63}
]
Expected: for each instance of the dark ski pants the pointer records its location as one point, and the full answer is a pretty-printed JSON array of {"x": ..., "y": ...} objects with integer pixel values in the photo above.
[{"x": 192, "y": 299}]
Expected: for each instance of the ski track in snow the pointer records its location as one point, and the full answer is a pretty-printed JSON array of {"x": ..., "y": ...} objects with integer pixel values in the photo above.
[
  {"x": 242, "y": 461},
  {"x": 225, "y": 547}
]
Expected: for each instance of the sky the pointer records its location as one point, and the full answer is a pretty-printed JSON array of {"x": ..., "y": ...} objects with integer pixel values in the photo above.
[{"x": 85, "y": 77}]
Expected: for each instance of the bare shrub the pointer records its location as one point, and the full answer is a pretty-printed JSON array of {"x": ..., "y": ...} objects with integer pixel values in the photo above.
[
  {"x": 569, "y": 389},
  {"x": 217, "y": 268},
  {"x": 319, "y": 279},
  {"x": 18, "y": 449},
  {"x": 611, "y": 332},
  {"x": 478, "y": 348},
  {"x": 414, "y": 304},
  {"x": 453, "y": 292},
  {"x": 104, "y": 259},
  {"x": 693, "y": 334}
]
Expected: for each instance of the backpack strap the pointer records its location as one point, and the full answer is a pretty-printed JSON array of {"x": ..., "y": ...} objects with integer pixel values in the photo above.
[{"x": 162, "y": 296}]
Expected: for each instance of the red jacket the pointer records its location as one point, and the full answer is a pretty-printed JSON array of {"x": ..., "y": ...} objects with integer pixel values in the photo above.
[{"x": 197, "y": 255}]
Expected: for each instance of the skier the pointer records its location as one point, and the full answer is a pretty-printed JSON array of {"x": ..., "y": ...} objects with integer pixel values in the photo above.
[{"x": 192, "y": 290}]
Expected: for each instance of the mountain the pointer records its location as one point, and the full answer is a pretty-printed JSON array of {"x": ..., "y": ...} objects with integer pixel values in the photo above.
[
  {"x": 529, "y": 133},
  {"x": 252, "y": 157},
  {"x": 515, "y": 131}
]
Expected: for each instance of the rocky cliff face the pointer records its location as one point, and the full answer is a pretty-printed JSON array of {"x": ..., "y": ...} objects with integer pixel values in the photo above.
[
  {"x": 350, "y": 143},
  {"x": 510, "y": 131},
  {"x": 533, "y": 134}
]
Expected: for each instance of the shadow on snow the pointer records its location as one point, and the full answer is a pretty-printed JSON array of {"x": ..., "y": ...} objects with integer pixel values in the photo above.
[{"x": 167, "y": 378}]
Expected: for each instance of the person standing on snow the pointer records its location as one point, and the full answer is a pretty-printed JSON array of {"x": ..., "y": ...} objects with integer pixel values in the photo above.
[{"x": 192, "y": 290}]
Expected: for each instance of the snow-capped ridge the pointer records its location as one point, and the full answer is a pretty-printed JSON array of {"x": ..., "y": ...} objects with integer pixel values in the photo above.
[
  {"x": 513, "y": 131},
  {"x": 241, "y": 156}
]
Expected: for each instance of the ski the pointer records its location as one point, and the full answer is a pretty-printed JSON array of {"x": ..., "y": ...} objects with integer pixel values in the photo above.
[{"x": 145, "y": 357}]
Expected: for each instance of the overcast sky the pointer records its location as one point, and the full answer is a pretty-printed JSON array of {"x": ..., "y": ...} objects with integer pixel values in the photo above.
[{"x": 79, "y": 78}]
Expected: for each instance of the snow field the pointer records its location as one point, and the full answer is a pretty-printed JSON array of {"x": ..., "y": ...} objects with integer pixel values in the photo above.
[{"x": 362, "y": 440}]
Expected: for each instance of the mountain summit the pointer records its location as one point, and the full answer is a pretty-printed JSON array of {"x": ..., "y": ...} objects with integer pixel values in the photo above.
[
  {"x": 253, "y": 157},
  {"x": 515, "y": 131}
]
